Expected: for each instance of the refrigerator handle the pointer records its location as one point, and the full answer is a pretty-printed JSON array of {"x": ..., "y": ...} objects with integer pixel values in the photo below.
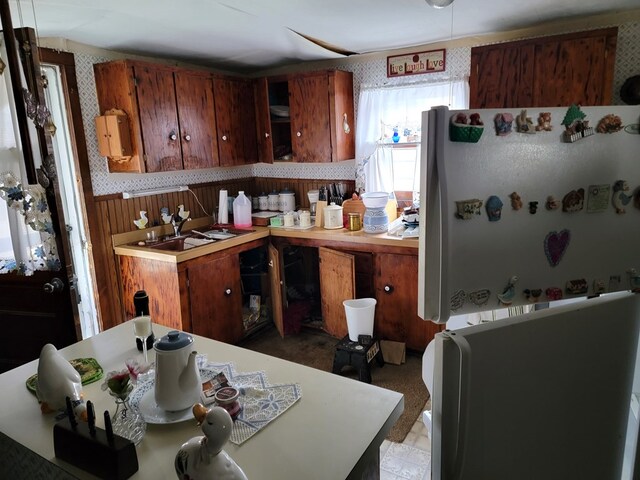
[{"x": 464, "y": 379}]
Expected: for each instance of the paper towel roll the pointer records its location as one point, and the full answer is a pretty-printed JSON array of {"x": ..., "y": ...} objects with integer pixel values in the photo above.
[{"x": 223, "y": 210}]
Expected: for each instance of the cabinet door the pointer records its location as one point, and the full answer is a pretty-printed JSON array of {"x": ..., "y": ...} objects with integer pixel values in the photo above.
[
  {"x": 263, "y": 121},
  {"x": 215, "y": 298},
  {"x": 275, "y": 280},
  {"x": 575, "y": 70},
  {"x": 247, "y": 123},
  {"x": 337, "y": 283},
  {"x": 227, "y": 95},
  {"x": 158, "y": 118},
  {"x": 310, "y": 117},
  {"x": 397, "y": 294},
  {"x": 194, "y": 95}
]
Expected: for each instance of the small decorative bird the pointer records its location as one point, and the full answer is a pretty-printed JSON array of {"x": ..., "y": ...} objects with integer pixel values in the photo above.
[
  {"x": 142, "y": 222},
  {"x": 165, "y": 215},
  {"x": 202, "y": 458},
  {"x": 182, "y": 213},
  {"x": 506, "y": 297},
  {"x": 620, "y": 199},
  {"x": 57, "y": 379}
]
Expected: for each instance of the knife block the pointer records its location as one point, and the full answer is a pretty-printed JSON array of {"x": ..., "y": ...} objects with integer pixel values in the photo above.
[{"x": 93, "y": 453}]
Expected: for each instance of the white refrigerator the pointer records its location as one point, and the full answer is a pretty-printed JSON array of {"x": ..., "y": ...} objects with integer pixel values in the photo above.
[{"x": 518, "y": 218}]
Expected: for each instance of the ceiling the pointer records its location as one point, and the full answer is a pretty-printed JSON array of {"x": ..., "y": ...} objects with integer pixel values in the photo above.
[{"x": 250, "y": 35}]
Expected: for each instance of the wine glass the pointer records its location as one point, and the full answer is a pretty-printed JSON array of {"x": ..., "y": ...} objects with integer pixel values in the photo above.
[{"x": 142, "y": 330}]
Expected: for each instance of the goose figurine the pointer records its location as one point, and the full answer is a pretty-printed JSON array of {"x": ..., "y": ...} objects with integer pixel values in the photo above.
[
  {"x": 509, "y": 292},
  {"x": 165, "y": 215},
  {"x": 142, "y": 221},
  {"x": 57, "y": 379},
  {"x": 202, "y": 458},
  {"x": 182, "y": 213},
  {"x": 620, "y": 199}
]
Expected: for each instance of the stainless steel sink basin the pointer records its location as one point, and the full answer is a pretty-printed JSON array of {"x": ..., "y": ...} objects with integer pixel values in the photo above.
[{"x": 194, "y": 239}]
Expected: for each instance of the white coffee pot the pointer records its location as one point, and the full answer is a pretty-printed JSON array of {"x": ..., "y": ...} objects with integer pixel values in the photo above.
[{"x": 177, "y": 382}]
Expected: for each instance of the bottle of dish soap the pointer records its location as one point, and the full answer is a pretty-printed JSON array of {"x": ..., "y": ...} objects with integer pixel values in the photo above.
[{"x": 241, "y": 211}]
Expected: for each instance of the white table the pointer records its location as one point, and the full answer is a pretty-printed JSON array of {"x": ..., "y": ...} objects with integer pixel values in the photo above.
[{"x": 333, "y": 432}]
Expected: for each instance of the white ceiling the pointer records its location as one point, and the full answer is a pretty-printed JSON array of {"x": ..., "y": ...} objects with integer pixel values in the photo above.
[{"x": 244, "y": 35}]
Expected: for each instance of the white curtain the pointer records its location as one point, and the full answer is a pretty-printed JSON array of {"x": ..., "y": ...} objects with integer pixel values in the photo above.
[{"x": 382, "y": 107}]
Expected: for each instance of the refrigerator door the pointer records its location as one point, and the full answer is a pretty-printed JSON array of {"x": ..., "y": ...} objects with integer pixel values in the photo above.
[
  {"x": 533, "y": 252},
  {"x": 543, "y": 395}
]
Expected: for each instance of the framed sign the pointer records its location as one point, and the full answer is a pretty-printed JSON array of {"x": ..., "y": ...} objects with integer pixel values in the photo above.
[{"x": 416, "y": 63}]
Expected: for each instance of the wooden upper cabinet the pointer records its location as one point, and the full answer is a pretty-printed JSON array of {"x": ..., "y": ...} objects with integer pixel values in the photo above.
[
  {"x": 170, "y": 112},
  {"x": 235, "y": 120},
  {"x": 320, "y": 105},
  {"x": 545, "y": 72},
  {"x": 194, "y": 97}
]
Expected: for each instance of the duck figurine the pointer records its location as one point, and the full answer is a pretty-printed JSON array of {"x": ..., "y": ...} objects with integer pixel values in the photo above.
[
  {"x": 620, "y": 199},
  {"x": 182, "y": 213},
  {"x": 202, "y": 458},
  {"x": 57, "y": 379},
  {"x": 165, "y": 215},
  {"x": 142, "y": 222},
  {"x": 509, "y": 292}
]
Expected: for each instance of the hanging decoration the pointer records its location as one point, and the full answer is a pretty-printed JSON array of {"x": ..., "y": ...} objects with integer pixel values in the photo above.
[{"x": 30, "y": 201}]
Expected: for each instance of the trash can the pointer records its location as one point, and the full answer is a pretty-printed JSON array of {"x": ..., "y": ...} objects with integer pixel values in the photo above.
[{"x": 360, "y": 313}]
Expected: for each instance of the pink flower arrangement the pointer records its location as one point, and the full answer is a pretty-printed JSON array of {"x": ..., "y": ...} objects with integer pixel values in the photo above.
[{"x": 120, "y": 383}]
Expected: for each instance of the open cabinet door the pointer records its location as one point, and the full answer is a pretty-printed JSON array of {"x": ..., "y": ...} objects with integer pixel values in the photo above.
[
  {"x": 276, "y": 288},
  {"x": 337, "y": 283}
]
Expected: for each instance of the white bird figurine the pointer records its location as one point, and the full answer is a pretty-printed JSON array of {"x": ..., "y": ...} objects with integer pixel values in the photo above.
[
  {"x": 142, "y": 221},
  {"x": 509, "y": 292},
  {"x": 182, "y": 213},
  {"x": 165, "y": 215},
  {"x": 202, "y": 458},
  {"x": 57, "y": 379}
]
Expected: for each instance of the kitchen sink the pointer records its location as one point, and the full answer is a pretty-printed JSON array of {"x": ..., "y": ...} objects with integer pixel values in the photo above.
[{"x": 194, "y": 238}]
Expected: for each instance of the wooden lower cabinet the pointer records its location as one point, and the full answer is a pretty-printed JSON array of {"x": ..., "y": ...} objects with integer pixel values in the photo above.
[
  {"x": 337, "y": 283},
  {"x": 202, "y": 296},
  {"x": 215, "y": 299},
  {"x": 396, "y": 286}
]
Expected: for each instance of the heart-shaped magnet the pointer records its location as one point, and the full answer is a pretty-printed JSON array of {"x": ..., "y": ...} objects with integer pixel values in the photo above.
[{"x": 555, "y": 244}]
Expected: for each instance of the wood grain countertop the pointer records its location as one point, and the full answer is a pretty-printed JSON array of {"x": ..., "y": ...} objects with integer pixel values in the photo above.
[{"x": 125, "y": 243}]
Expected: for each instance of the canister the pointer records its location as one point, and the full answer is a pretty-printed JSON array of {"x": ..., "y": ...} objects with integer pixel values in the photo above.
[
  {"x": 354, "y": 221},
  {"x": 287, "y": 201},
  {"x": 333, "y": 216},
  {"x": 263, "y": 201},
  {"x": 274, "y": 201},
  {"x": 305, "y": 218}
]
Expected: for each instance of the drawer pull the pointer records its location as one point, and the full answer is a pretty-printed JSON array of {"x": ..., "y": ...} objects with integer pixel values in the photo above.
[
  {"x": 266, "y": 135},
  {"x": 187, "y": 138},
  {"x": 298, "y": 134},
  {"x": 227, "y": 291},
  {"x": 224, "y": 137},
  {"x": 173, "y": 136}
]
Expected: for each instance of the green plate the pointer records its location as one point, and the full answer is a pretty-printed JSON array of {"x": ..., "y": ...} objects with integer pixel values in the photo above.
[{"x": 89, "y": 369}]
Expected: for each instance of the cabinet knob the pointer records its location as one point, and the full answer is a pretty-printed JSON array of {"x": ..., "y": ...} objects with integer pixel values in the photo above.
[
  {"x": 298, "y": 134},
  {"x": 227, "y": 291},
  {"x": 224, "y": 137},
  {"x": 187, "y": 138},
  {"x": 56, "y": 285},
  {"x": 266, "y": 135},
  {"x": 173, "y": 136},
  {"x": 388, "y": 289}
]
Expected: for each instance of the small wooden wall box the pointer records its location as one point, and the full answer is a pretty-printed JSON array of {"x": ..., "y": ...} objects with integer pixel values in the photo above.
[{"x": 114, "y": 139}]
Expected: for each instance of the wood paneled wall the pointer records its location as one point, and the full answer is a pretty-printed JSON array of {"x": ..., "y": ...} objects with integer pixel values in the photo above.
[{"x": 116, "y": 215}]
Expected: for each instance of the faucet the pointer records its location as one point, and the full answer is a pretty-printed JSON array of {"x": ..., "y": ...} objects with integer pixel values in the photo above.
[{"x": 177, "y": 222}]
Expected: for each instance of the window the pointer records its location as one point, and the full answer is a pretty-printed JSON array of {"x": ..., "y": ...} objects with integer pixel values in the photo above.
[{"x": 389, "y": 131}]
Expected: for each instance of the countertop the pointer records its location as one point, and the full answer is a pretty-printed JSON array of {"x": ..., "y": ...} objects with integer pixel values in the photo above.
[
  {"x": 122, "y": 243},
  {"x": 333, "y": 432}
]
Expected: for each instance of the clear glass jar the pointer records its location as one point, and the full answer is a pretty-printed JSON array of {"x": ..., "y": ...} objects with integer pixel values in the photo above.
[{"x": 127, "y": 421}]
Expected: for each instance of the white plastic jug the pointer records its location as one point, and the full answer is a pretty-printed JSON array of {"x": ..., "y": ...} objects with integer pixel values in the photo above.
[
  {"x": 241, "y": 211},
  {"x": 360, "y": 314}
]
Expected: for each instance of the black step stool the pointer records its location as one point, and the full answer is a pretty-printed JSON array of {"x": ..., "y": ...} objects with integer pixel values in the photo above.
[{"x": 358, "y": 355}]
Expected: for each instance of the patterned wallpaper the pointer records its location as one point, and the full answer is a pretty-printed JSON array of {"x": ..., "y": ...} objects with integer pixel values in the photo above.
[{"x": 365, "y": 72}]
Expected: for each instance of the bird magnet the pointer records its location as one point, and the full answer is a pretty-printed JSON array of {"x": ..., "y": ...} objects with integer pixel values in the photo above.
[
  {"x": 620, "y": 198},
  {"x": 555, "y": 246},
  {"x": 509, "y": 292}
]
